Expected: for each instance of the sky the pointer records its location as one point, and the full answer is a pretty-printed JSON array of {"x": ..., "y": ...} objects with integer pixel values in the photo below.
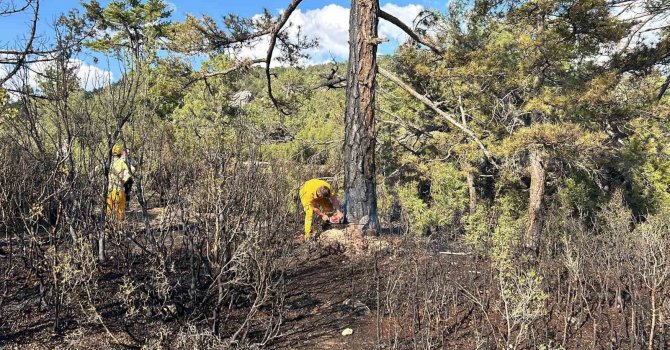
[{"x": 326, "y": 20}]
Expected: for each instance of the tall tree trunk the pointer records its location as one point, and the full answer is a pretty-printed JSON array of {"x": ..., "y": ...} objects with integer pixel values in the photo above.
[
  {"x": 101, "y": 243},
  {"x": 359, "y": 139},
  {"x": 538, "y": 174},
  {"x": 472, "y": 191}
]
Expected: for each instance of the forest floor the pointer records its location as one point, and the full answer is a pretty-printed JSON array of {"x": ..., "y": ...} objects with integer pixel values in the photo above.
[{"x": 330, "y": 286}]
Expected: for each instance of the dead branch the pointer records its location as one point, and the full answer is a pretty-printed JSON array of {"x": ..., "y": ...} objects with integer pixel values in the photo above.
[
  {"x": 273, "y": 40},
  {"x": 663, "y": 89},
  {"x": 238, "y": 66},
  {"x": 332, "y": 80},
  {"x": 450, "y": 118},
  {"x": 422, "y": 40},
  {"x": 10, "y": 8},
  {"x": 20, "y": 60},
  {"x": 334, "y": 83}
]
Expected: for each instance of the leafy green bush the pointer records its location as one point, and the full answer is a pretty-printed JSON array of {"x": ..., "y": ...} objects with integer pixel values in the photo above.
[
  {"x": 478, "y": 230},
  {"x": 448, "y": 192},
  {"x": 419, "y": 216}
]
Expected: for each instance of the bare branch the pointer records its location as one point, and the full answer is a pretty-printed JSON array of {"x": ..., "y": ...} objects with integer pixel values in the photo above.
[
  {"x": 24, "y": 92},
  {"x": 273, "y": 40},
  {"x": 332, "y": 80},
  {"x": 663, "y": 89},
  {"x": 422, "y": 40},
  {"x": 9, "y": 8},
  {"x": 450, "y": 118},
  {"x": 239, "y": 65},
  {"x": 333, "y": 83},
  {"x": 22, "y": 56}
]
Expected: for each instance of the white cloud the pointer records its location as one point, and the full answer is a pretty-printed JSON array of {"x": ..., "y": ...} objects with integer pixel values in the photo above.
[
  {"x": 406, "y": 14},
  {"x": 171, "y": 6},
  {"x": 257, "y": 50},
  {"x": 646, "y": 30},
  {"x": 330, "y": 25},
  {"x": 90, "y": 77}
]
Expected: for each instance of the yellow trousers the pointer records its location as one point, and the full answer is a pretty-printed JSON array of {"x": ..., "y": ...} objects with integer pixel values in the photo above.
[
  {"x": 116, "y": 205},
  {"x": 325, "y": 205}
]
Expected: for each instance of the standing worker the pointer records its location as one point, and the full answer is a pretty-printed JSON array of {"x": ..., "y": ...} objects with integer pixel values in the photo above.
[
  {"x": 128, "y": 186},
  {"x": 118, "y": 176},
  {"x": 317, "y": 197}
]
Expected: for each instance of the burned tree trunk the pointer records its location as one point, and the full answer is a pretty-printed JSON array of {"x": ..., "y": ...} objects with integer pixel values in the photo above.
[
  {"x": 538, "y": 174},
  {"x": 472, "y": 191},
  {"x": 359, "y": 140}
]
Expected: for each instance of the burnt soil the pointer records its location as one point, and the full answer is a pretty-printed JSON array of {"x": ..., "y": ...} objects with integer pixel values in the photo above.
[{"x": 328, "y": 288}]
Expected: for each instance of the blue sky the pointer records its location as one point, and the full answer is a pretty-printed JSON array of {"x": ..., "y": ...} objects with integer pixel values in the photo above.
[
  {"x": 15, "y": 26},
  {"x": 327, "y": 20}
]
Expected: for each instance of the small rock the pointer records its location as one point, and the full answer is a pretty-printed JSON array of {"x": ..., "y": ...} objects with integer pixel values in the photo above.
[
  {"x": 347, "y": 331},
  {"x": 241, "y": 99},
  {"x": 356, "y": 307}
]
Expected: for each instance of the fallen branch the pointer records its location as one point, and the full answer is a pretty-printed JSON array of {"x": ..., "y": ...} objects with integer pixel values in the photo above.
[{"x": 455, "y": 253}]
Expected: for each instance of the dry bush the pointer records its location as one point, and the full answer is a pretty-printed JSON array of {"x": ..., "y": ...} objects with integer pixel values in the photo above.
[
  {"x": 227, "y": 231},
  {"x": 606, "y": 278},
  {"x": 48, "y": 216},
  {"x": 420, "y": 298},
  {"x": 214, "y": 254},
  {"x": 600, "y": 283}
]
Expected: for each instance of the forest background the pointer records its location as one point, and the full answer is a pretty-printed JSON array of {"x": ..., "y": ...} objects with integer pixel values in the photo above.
[{"x": 527, "y": 138}]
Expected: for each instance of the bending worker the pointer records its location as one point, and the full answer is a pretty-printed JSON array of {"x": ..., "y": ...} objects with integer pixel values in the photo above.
[
  {"x": 119, "y": 174},
  {"x": 316, "y": 197}
]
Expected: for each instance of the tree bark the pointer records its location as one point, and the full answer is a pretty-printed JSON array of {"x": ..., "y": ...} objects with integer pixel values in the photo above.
[
  {"x": 538, "y": 174},
  {"x": 359, "y": 140},
  {"x": 472, "y": 191}
]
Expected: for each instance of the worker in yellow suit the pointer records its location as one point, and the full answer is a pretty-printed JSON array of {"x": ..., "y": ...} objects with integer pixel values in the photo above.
[
  {"x": 118, "y": 176},
  {"x": 316, "y": 197}
]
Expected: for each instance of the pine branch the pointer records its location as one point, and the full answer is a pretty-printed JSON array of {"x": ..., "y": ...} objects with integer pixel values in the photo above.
[
  {"x": 239, "y": 65},
  {"x": 450, "y": 118}
]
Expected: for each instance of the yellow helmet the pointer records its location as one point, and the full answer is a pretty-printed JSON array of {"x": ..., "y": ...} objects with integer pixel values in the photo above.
[{"x": 117, "y": 150}]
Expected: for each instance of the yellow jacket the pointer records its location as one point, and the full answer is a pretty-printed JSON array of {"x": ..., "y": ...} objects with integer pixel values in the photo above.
[
  {"x": 308, "y": 191},
  {"x": 309, "y": 200},
  {"x": 118, "y": 174}
]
